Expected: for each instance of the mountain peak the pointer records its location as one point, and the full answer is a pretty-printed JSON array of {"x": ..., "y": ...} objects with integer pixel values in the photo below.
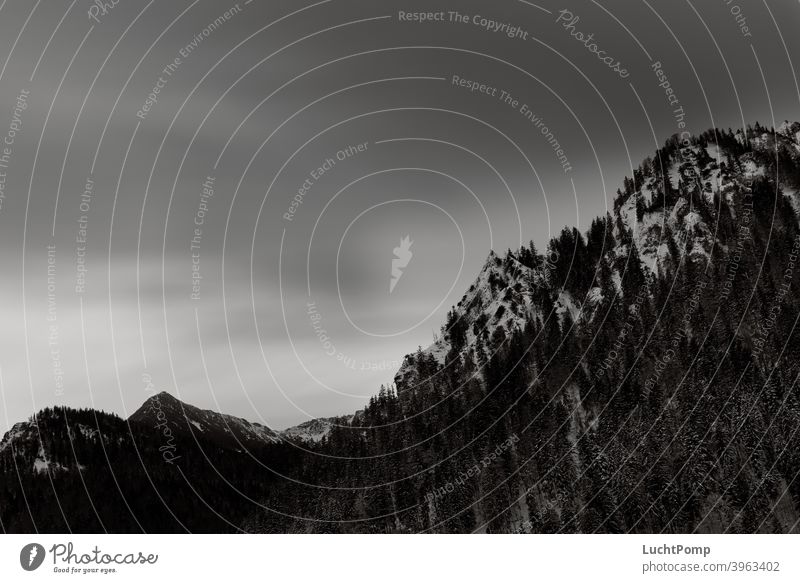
[
  {"x": 226, "y": 431},
  {"x": 164, "y": 396}
]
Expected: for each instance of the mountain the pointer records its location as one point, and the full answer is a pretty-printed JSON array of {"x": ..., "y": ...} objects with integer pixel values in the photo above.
[
  {"x": 501, "y": 299},
  {"x": 315, "y": 430},
  {"x": 671, "y": 200},
  {"x": 638, "y": 377},
  {"x": 225, "y": 431},
  {"x": 68, "y": 470}
]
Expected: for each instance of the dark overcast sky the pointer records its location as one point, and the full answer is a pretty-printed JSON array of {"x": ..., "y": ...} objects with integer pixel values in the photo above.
[{"x": 266, "y": 98}]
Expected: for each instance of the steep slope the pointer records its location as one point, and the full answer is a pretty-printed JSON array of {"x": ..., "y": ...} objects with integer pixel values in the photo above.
[
  {"x": 499, "y": 302},
  {"x": 676, "y": 208}
]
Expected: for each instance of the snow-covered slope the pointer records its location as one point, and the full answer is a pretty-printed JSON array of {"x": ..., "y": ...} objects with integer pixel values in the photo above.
[
  {"x": 22, "y": 440},
  {"x": 315, "y": 430},
  {"x": 32, "y": 444},
  {"x": 716, "y": 174},
  {"x": 500, "y": 299}
]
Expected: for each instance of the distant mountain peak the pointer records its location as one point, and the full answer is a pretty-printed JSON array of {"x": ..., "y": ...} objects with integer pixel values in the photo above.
[
  {"x": 316, "y": 430},
  {"x": 226, "y": 431}
]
